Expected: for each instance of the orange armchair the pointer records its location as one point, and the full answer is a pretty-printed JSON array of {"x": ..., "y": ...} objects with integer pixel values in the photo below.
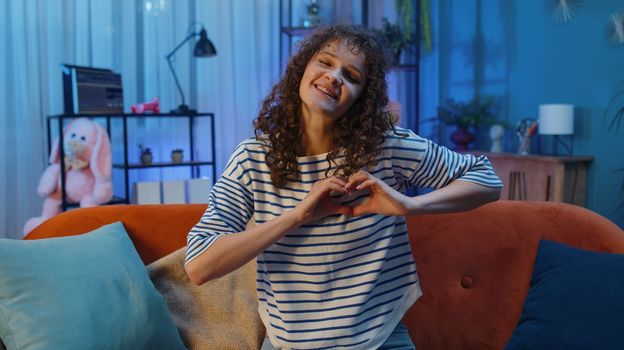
[{"x": 474, "y": 267}]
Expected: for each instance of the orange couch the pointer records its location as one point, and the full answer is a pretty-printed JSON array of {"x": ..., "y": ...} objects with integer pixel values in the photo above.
[{"x": 475, "y": 267}]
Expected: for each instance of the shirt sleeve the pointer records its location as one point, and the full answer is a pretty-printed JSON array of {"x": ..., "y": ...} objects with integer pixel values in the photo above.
[
  {"x": 230, "y": 206},
  {"x": 423, "y": 163}
]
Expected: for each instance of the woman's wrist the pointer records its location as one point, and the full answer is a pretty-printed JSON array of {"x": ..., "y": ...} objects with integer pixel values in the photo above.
[
  {"x": 414, "y": 205},
  {"x": 294, "y": 218}
]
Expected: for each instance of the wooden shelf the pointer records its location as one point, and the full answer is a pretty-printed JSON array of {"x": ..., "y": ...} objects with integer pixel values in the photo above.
[{"x": 541, "y": 178}]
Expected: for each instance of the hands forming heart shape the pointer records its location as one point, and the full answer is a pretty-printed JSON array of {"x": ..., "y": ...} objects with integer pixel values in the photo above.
[{"x": 382, "y": 199}]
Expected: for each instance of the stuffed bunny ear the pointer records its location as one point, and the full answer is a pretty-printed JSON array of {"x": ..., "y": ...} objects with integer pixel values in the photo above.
[{"x": 101, "y": 162}]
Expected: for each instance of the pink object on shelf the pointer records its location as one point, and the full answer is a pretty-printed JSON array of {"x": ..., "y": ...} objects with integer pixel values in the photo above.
[
  {"x": 153, "y": 106},
  {"x": 88, "y": 168}
]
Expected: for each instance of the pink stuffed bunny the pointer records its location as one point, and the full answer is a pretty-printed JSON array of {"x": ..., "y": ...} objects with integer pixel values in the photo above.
[{"x": 87, "y": 170}]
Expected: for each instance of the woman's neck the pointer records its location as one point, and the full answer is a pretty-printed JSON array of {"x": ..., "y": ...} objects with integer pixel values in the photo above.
[{"x": 316, "y": 131}]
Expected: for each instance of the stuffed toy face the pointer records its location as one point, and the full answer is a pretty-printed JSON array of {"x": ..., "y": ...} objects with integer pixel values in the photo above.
[
  {"x": 78, "y": 147},
  {"x": 85, "y": 144}
]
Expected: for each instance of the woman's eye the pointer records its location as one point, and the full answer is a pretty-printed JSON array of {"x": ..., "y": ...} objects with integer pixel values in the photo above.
[
  {"x": 351, "y": 79},
  {"x": 325, "y": 63}
]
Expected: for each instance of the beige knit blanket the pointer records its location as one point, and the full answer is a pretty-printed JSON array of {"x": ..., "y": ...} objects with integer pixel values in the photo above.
[{"x": 220, "y": 314}]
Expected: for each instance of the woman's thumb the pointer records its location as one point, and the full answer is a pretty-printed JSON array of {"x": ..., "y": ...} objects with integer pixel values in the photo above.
[
  {"x": 363, "y": 208},
  {"x": 344, "y": 210}
]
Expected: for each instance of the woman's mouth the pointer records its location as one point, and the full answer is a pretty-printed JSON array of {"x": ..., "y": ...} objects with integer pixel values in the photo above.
[{"x": 326, "y": 91}]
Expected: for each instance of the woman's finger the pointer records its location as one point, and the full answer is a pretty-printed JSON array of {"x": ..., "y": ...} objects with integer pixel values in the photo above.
[
  {"x": 338, "y": 180},
  {"x": 335, "y": 187},
  {"x": 363, "y": 208},
  {"x": 366, "y": 184},
  {"x": 358, "y": 177}
]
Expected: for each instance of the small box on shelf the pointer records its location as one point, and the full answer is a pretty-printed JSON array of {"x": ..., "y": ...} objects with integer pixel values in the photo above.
[
  {"x": 147, "y": 192},
  {"x": 173, "y": 192},
  {"x": 199, "y": 190}
]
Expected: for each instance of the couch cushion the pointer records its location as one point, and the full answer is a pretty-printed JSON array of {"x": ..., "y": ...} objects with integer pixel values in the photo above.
[
  {"x": 574, "y": 302},
  {"x": 220, "y": 314},
  {"x": 89, "y": 291}
]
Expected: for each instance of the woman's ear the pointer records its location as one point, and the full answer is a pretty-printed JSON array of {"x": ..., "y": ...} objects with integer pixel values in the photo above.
[{"x": 101, "y": 162}]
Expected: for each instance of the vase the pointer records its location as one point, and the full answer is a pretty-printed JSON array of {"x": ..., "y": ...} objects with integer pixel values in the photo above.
[
  {"x": 177, "y": 156},
  {"x": 146, "y": 158},
  {"x": 524, "y": 148},
  {"x": 461, "y": 137}
]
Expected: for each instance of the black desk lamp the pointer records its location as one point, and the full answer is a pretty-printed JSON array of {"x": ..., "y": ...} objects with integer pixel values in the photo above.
[{"x": 203, "y": 48}]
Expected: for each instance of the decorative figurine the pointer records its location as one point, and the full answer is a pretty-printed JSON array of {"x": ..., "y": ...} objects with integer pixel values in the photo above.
[
  {"x": 152, "y": 106},
  {"x": 497, "y": 132}
]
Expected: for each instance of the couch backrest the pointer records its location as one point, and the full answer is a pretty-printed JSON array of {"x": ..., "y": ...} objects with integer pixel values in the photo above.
[
  {"x": 155, "y": 230},
  {"x": 475, "y": 267}
]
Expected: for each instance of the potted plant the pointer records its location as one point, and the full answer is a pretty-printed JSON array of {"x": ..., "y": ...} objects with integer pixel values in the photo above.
[
  {"x": 146, "y": 155},
  {"x": 396, "y": 38},
  {"x": 177, "y": 155},
  {"x": 467, "y": 116}
]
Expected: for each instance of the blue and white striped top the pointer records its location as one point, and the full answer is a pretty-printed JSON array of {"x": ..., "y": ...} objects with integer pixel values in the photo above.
[{"x": 341, "y": 282}]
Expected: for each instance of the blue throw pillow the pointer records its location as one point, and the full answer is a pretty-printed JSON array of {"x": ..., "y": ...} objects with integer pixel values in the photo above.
[
  {"x": 575, "y": 301},
  {"x": 81, "y": 292}
]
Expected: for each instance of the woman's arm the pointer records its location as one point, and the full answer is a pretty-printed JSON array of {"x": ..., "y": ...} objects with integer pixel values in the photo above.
[
  {"x": 231, "y": 251},
  {"x": 460, "y": 182},
  {"x": 457, "y": 196}
]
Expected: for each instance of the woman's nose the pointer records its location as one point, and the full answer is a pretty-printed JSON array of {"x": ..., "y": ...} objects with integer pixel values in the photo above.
[{"x": 333, "y": 78}]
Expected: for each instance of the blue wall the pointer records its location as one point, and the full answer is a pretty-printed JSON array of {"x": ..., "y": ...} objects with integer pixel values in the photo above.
[{"x": 512, "y": 48}]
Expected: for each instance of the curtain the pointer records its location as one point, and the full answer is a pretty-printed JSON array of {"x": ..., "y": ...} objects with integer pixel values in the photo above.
[{"x": 131, "y": 38}]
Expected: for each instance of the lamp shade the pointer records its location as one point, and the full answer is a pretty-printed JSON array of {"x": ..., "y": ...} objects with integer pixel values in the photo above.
[
  {"x": 556, "y": 119},
  {"x": 203, "y": 47}
]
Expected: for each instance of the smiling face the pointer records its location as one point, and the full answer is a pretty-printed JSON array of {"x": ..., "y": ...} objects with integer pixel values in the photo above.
[{"x": 333, "y": 80}]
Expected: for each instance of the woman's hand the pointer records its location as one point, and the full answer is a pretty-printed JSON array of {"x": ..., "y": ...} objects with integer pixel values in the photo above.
[
  {"x": 318, "y": 204},
  {"x": 383, "y": 199}
]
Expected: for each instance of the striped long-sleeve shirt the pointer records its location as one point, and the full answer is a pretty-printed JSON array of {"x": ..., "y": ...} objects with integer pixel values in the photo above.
[{"x": 341, "y": 282}]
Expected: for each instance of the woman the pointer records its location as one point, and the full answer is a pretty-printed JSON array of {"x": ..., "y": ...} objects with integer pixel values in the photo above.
[{"x": 323, "y": 180}]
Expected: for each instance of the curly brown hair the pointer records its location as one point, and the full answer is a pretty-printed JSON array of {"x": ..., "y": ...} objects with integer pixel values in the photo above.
[{"x": 359, "y": 132}]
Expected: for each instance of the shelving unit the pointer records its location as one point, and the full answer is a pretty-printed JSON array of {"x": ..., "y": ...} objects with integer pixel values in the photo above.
[
  {"x": 125, "y": 165},
  {"x": 290, "y": 32}
]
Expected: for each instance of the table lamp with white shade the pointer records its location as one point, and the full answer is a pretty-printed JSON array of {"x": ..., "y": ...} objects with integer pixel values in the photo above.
[{"x": 557, "y": 120}]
